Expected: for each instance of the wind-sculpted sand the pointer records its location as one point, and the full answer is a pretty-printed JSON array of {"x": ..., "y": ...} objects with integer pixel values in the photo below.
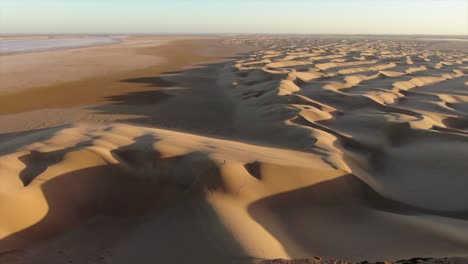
[{"x": 348, "y": 149}]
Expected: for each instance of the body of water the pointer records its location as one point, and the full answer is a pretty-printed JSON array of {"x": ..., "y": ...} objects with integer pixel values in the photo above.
[{"x": 8, "y": 46}]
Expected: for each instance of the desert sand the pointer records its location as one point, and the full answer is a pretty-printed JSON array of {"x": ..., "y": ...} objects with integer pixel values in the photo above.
[
  {"x": 25, "y": 70},
  {"x": 236, "y": 150}
]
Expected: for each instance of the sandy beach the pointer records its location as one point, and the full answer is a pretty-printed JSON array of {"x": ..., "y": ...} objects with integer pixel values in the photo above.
[{"x": 235, "y": 149}]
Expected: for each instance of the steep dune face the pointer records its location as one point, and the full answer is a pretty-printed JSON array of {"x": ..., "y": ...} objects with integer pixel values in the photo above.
[{"x": 353, "y": 149}]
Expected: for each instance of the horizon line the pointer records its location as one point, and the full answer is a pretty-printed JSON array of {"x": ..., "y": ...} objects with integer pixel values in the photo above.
[{"x": 227, "y": 33}]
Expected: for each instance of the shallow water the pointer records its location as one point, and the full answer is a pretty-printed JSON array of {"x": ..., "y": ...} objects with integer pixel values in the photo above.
[{"x": 28, "y": 45}]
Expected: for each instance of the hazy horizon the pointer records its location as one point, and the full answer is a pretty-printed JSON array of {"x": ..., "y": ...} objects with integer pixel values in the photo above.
[
  {"x": 335, "y": 17},
  {"x": 462, "y": 37}
]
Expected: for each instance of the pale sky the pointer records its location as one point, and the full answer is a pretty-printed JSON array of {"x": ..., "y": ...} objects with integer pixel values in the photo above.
[{"x": 431, "y": 17}]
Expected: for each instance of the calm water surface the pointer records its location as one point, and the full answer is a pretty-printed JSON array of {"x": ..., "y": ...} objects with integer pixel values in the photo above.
[{"x": 28, "y": 45}]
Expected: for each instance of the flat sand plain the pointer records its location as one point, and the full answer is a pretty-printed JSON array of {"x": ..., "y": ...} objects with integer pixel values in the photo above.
[{"x": 241, "y": 150}]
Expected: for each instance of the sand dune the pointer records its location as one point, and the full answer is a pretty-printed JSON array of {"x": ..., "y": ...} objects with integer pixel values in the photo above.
[{"x": 344, "y": 149}]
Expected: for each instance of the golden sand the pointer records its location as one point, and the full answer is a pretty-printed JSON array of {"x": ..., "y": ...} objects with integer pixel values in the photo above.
[{"x": 347, "y": 149}]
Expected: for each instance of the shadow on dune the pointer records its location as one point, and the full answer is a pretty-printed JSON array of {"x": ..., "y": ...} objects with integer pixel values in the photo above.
[
  {"x": 11, "y": 142},
  {"x": 166, "y": 196},
  {"x": 189, "y": 232},
  {"x": 187, "y": 100},
  {"x": 150, "y": 97},
  {"x": 322, "y": 219},
  {"x": 37, "y": 162},
  {"x": 144, "y": 98},
  {"x": 77, "y": 195},
  {"x": 154, "y": 81}
]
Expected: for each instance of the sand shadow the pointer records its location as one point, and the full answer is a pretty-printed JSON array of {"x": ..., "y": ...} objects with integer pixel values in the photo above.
[
  {"x": 155, "y": 81},
  {"x": 188, "y": 100},
  {"x": 11, "y": 142},
  {"x": 37, "y": 162},
  {"x": 322, "y": 218},
  {"x": 167, "y": 195}
]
